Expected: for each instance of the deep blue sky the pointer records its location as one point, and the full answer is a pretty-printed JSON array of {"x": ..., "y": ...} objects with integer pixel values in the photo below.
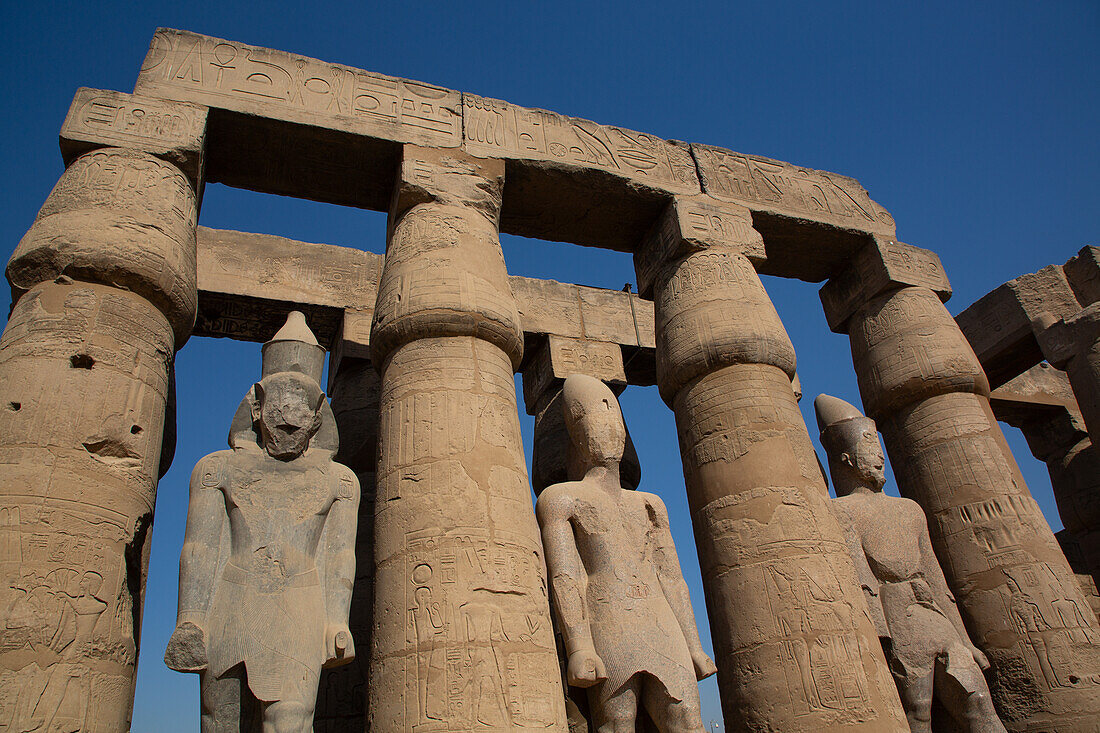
[{"x": 974, "y": 124}]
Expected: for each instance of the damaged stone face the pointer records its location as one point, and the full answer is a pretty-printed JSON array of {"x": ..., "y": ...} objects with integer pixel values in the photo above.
[{"x": 268, "y": 560}]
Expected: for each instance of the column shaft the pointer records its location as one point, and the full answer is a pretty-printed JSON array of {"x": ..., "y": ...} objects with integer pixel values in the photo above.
[
  {"x": 84, "y": 381},
  {"x": 462, "y": 633},
  {"x": 920, "y": 380},
  {"x": 354, "y": 392},
  {"x": 795, "y": 646}
]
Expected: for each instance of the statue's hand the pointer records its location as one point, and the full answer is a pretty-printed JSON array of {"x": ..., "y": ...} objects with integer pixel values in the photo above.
[
  {"x": 186, "y": 650},
  {"x": 980, "y": 657},
  {"x": 585, "y": 668},
  {"x": 339, "y": 646},
  {"x": 704, "y": 665}
]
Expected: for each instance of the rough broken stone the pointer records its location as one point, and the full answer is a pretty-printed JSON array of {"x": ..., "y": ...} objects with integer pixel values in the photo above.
[
  {"x": 926, "y": 643},
  {"x": 268, "y": 557}
]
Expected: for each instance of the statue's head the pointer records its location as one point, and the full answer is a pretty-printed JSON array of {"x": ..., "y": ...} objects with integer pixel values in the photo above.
[
  {"x": 851, "y": 441},
  {"x": 594, "y": 422},
  {"x": 286, "y": 410}
]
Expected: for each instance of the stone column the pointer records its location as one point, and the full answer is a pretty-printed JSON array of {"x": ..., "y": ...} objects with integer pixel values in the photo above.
[
  {"x": 354, "y": 392},
  {"x": 920, "y": 380},
  {"x": 1041, "y": 404},
  {"x": 105, "y": 292},
  {"x": 795, "y": 646},
  {"x": 462, "y": 631},
  {"x": 1073, "y": 344}
]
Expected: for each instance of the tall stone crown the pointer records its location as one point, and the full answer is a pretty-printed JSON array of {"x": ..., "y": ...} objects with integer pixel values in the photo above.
[
  {"x": 294, "y": 349},
  {"x": 838, "y": 421}
]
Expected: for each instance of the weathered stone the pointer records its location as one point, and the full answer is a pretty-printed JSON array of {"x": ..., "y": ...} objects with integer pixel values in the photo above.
[
  {"x": 1083, "y": 273},
  {"x": 920, "y": 380},
  {"x": 928, "y": 648},
  {"x": 778, "y": 188},
  {"x": 342, "y": 692},
  {"x": 999, "y": 324},
  {"x": 882, "y": 265},
  {"x": 83, "y": 383},
  {"x": 458, "y": 560},
  {"x": 620, "y": 597},
  {"x": 1073, "y": 343},
  {"x": 267, "y": 564},
  {"x": 174, "y": 131},
  {"x": 122, "y": 218},
  {"x": 785, "y": 608}
]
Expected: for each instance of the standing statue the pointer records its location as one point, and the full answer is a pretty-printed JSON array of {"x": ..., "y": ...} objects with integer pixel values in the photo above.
[
  {"x": 622, "y": 602},
  {"x": 268, "y": 556},
  {"x": 926, "y": 644}
]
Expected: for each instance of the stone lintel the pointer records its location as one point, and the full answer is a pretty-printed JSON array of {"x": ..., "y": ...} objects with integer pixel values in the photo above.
[
  {"x": 882, "y": 265},
  {"x": 249, "y": 282},
  {"x": 448, "y": 176},
  {"x": 1040, "y": 402},
  {"x": 1000, "y": 324},
  {"x": 174, "y": 131},
  {"x": 557, "y": 357},
  {"x": 774, "y": 187},
  {"x": 690, "y": 224},
  {"x": 1083, "y": 273},
  {"x": 296, "y": 126},
  {"x": 1060, "y": 339}
]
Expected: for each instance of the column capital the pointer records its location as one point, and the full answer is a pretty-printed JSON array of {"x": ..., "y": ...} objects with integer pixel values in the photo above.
[
  {"x": 556, "y": 357},
  {"x": 883, "y": 264},
  {"x": 172, "y": 131},
  {"x": 449, "y": 177},
  {"x": 692, "y": 224}
]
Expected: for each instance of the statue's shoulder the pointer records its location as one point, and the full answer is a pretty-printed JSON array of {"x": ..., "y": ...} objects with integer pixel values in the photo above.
[
  {"x": 558, "y": 497},
  {"x": 651, "y": 500},
  {"x": 210, "y": 470},
  {"x": 347, "y": 481}
]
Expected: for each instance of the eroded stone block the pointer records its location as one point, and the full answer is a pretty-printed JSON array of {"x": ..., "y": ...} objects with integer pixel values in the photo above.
[
  {"x": 884, "y": 264},
  {"x": 175, "y": 131}
]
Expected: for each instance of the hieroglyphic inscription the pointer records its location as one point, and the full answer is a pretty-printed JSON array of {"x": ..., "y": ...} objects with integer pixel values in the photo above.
[
  {"x": 559, "y": 357},
  {"x": 98, "y": 117},
  {"x": 494, "y": 128},
  {"x": 772, "y": 185},
  {"x": 243, "y": 78},
  {"x": 466, "y": 670}
]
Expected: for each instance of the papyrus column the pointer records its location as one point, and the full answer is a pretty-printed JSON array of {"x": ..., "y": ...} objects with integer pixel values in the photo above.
[
  {"x": 920, "y": 380},
  {"x": 795, "y": 646},
  {"x": 105, "y": 288},
  {"x": 354, "y": 392},
  {"x": 462, "y": 634}
]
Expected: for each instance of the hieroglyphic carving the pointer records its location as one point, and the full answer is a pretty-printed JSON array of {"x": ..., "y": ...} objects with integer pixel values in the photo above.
[
  {"x": 494, "y": 128},
  {"x": 243, "y": 78},
  {"x": 763, "y": 184},
  {"x": 175, "y": 130}
]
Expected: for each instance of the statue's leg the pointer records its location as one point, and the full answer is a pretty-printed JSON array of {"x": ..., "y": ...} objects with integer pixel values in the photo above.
[
  {"x": 221, "y": 698},
  {"x": 961, "y": 688},
  {"x": 916, "y": 699},
  {"x": 671, "y": 715},
  {"x": 618, "y": 713},
  {"x": 294, "y": 713}
]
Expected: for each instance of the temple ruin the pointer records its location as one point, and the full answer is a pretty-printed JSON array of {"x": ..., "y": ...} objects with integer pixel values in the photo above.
[{"x": 450, "y": 611}]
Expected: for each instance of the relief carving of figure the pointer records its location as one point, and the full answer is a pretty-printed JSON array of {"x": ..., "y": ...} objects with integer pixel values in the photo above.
[
  {"x": 268, "y": 556},
  {"x": 926, "y": 644},
  {"x": 622, "y": 602}
]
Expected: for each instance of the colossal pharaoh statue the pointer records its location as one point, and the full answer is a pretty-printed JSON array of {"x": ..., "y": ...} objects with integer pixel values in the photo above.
[
  {"x": 927, "y": 646},
  {"x": 267, "y": 564},
  {"x": 625, "y": 616}
]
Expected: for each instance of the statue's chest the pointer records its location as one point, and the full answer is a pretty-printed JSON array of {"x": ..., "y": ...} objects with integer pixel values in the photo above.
[
  {"x": 618, "y": 523},
  {"x": 289, "y": 494}
]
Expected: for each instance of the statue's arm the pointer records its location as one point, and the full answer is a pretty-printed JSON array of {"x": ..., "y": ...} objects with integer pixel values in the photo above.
[
  {"x": 568, "y": 579},
  {"x": 339, "y": 567},
  {"x": 674, "y": 586},
  {"x": 202, "y": 541},
  {"x": 206, "y": 521},
  {"x": 933, "y": 575}
]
